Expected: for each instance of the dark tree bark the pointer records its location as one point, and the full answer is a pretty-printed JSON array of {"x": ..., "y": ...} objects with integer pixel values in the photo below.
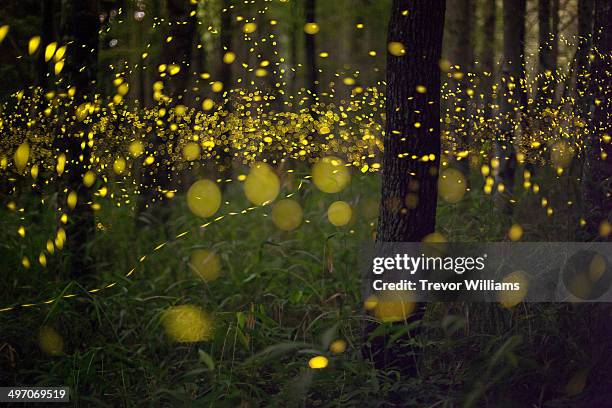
[
  {"x": 225, "y": 36},
  {"x": 488, "y": 56},
  {"x": 160, "y": 176},
  {"x": 80, "y": 26},
  {"x": 554, "y": 50},
  {"x": 585, "y": 30},
  {"x": 312, "y": 74},
  {"x": 460, "y": 53},
  {"x": 225, "y": 76},
  {"x": 513, "y": 99},
  {"x": 420, "y": 31},
  {"x": 546, "y": 64}
]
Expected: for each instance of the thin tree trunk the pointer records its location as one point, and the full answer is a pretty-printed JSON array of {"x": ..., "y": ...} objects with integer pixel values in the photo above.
[
  {"x": 225, "y": 76},
  {"x": 513, "y": 98},
  {"x": 545, "y": 56},
  {"x": 312, "y": 75},
  {"x": 488, "y": 57},
  {"x": 159, "y": 176},
  {"x": 460, "y": 54},
  {"x": 79, "y": 27},
  {"x": 554, "y": 47},
  {"x": 585, "y": 30}
]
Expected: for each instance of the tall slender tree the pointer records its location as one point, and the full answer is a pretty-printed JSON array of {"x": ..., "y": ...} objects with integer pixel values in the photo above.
[
  {"x": 488, "y": 56},
  {"x": 312, "y": 73},
  {"x": 225, "y": 76},
  {"x": 459, "y": 20},
  {"x": 585, "y": 30},
  {"x": 546, "y": 64},
  {"x": 176, "y": 56},
  {"x": 80, "y": 29},
  {"x": 513, "y": 99}
]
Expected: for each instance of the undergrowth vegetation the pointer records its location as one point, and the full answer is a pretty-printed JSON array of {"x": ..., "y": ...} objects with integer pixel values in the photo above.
[{"x": 282, "y": 298}]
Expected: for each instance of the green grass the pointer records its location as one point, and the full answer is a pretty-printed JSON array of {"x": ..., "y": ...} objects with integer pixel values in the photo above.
[{"x": 281, "y": 299}]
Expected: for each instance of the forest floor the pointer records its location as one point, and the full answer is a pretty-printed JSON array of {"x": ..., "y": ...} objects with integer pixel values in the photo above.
[{"x": 282, "y": 298}]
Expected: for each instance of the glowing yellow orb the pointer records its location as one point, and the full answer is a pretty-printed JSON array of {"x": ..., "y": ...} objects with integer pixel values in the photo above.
[
  {"x": 330, "y": 175},
  {"x": 50, "y": 50},
  {"x": 22, "y": 154},
  {"x": 89, "y": 178},
  {"x": 452, "y": 185},
  {"x": 396, "y": 48},
  {"x": 207, "y": 104},
  {"x": 338, "y": 346},
  {"x": 50, "y": 342},
  {"x": 318, "y": 362},
  {"x": 33, "y": 44},
  {"x": 191, "y": 151},
  {"x": 311, "y": 28},
  {"x": 72, "y": 199},
  {"x": 515, "y": 232},
  {"x": 187, "y": 324},
  {"x": 136, "y": 148},
  {"x": 262, "y": 184},
  {"x": 339, "y": 213},
  {"x": 119, "y": 165},
  {"x": 597, "y": 267},
  {"x": 217, "y": 86},
  {"x": 229, "y": 57},
  {"x": 434, "y": 238},
  {"x": 511, "y": 298},
  {"x": 3, "y": 32},
  {"x": 204, "y": 198},
  {"x": 394, "y": 306},
  {"x": 249, "y": 28},
  {"x": 205, "y": 264},
  {"x": 287, "y": 214}
]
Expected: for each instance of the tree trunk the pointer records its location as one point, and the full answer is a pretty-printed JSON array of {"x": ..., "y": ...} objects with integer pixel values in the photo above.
[
  {"x": 225, "y": 76},
  {"x": 159, "y": 176},
  {"x": 546, "y": 65},
  {"x": 488, "y": 57},
  {"x": 420, "y": 31},
  {"x": 554, "y": 47},
  {"x": 460, "y": 54},
  {"x": 585, "y": 30},
  {"x": 312, "y": 75},
  {"x": 513, "y": 99},
  {"x": 80, "y": 27}
]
